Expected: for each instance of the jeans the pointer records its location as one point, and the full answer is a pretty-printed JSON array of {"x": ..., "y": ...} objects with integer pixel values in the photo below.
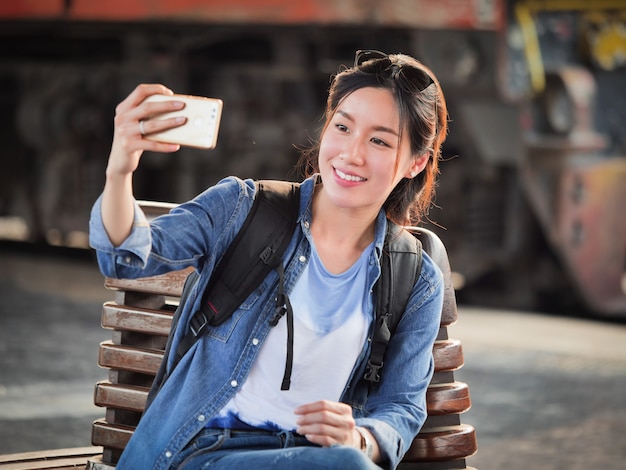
[{"x": 283, "y": 450}]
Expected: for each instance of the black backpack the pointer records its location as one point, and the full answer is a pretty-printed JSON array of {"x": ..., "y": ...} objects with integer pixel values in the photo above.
[{"x": 257, "y": 250}]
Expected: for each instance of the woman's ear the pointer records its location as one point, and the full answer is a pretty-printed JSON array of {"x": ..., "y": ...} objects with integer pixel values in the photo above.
[{"x": 417, "y": 165}]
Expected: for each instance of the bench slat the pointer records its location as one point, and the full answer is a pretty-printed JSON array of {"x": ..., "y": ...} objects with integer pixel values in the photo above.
[
  {"x": 71, "y": 463},
  {"x": 115, "y": 356},
  {"x": 125, "y": 397},
  {"x": 448, "y": 355},
  {"x": 170, "y": 284},
  {"x": 58, "y": 459},
  {"x": 436, "y": 444},
  {"x": 442, "y": 399},
  {"x": 445, "y": 443},
  {"x": 121, "y": 317},
  {"x": 449, "y": 398},
  {"x": 108, "y": 435}
]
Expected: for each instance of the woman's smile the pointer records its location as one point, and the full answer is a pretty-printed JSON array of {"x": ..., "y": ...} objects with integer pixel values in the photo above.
[{"x": 349, "y": 177}]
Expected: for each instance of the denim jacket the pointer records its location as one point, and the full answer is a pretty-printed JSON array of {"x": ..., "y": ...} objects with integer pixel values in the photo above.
[{"x": 197, "y": 234}]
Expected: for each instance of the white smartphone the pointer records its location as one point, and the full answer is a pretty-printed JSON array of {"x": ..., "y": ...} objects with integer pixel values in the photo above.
[{"x": 203, "y": 121}]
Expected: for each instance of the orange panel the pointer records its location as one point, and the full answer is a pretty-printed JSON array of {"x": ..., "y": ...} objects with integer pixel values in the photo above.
[
  {"x": 463, "y": 14},
  {"x": 264, "y": 11},
  {"x": 14, "y": 9}
]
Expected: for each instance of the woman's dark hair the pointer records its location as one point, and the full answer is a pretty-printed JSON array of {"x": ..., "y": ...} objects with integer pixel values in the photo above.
[{"x": 423, "y": 115}]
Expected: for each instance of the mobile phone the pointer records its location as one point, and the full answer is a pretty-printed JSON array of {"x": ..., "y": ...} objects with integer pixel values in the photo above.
[{"x": 203, "y": 121}]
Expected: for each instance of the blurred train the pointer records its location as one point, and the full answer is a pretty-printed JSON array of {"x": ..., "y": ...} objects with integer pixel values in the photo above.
[{"x": 532, "y": 198}]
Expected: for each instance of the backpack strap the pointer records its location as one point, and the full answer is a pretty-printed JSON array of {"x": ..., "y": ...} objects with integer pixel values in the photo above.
[
  {"x": 253, "y": 254},
  {"x": 401, "y": 264}
]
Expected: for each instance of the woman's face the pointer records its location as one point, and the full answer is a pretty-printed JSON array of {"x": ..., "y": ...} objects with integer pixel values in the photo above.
[{"x": 361, "y": 158}]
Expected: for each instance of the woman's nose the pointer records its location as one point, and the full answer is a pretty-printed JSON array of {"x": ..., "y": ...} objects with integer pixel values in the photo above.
[{"x": 354, "y": 151}]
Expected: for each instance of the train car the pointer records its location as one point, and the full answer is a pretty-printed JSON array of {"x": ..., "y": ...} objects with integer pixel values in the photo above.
[{"x": 530, "y": 203}]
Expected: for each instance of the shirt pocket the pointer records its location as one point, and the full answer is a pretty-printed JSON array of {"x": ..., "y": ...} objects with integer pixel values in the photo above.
[{"x": 248, "y": 311}]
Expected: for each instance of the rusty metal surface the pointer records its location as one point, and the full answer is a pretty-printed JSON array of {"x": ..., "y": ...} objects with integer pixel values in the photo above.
[
  {"x": 591, "y": 231},
  {"x": 462, "y": 14},
  {"x": 582, "y": 213},
  {"x": 579, "y": 197}
]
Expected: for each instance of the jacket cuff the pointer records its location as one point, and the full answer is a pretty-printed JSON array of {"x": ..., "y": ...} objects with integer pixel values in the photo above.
[{"x": 133, "y": 251}]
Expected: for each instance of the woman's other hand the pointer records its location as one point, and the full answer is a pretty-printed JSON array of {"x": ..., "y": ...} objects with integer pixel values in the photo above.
[{"x": 328, "y": 423}]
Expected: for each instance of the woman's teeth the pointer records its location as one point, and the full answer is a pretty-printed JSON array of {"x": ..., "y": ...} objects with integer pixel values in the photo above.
[{"x": 343, "y": 176}]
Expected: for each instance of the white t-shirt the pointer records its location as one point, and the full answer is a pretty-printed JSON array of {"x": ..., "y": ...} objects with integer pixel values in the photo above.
[{"x": 330, "y": 327}]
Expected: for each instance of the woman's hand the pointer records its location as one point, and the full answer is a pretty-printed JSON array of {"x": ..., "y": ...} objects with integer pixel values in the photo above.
[
  {"x": 132, "y": 124},
  {"x": 327, "y": 423},
  {"x": 330, "y": 423}
]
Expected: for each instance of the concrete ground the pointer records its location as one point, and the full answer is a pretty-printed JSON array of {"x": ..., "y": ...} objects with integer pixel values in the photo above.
[{"x": 548, "y": 392}]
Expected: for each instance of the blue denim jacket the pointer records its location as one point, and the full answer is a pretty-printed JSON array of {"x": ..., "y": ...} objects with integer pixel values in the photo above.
[{"x": 197, "y": 234}]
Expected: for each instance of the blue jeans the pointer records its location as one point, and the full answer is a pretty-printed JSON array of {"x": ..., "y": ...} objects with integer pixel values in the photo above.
[{"x": 284, "y": 450}]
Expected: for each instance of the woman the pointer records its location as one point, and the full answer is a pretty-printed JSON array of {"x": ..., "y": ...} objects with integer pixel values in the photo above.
[{"x": 375, "y": 164}]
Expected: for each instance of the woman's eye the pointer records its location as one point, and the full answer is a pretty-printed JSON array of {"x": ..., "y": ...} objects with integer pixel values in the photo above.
[
  {"x": 341, "y": 127},
  {"x": 378, "y": 141}
]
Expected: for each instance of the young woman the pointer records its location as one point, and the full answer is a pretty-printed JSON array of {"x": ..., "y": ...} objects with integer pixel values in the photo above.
[{"x": 375, "y": 164}]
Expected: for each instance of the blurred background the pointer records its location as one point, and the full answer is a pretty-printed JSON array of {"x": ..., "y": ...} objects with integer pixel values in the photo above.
[
  {"x": 531, "y": 197},
  {"x": 532, "y": 189}
]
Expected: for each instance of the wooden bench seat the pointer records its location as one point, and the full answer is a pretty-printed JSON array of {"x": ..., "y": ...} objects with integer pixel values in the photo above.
[
  {"x": 57, "y": 459},
  {"x": 140, "y": 319}
]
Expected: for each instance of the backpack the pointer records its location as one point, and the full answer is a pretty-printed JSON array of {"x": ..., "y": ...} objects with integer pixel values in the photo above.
[{"x": 257, "y": 250}]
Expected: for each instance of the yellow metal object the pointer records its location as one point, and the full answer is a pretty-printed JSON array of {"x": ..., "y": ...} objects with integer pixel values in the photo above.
[
  {"x": 532, "y": 50},
  {"x": 606, "y": 34},
  {"x": 607, "y": 40}
]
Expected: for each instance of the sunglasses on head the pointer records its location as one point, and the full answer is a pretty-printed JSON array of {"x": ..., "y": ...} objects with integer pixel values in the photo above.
[{"x": 398, "y": 70}]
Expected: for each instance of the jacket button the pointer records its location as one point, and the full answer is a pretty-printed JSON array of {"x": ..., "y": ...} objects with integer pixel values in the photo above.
[
  {"x": 302, "y": 259},
  {"x": 233, "y": 383},
  {"x": 255, "y": 341},
  {"x": 168, "y": 454},
  {"x": 201, "y": 418}
]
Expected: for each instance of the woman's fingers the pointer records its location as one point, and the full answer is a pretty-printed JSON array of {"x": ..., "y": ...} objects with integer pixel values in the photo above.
[
  {"x": 326, "y": 423},
  {"x": 140, "y": 93},
  {"x": 132, "y": 124},
  {"x": 152, "y": 126}
]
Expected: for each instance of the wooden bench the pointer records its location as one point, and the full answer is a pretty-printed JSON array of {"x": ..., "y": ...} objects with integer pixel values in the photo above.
[{"x": 140, "y": 318}]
